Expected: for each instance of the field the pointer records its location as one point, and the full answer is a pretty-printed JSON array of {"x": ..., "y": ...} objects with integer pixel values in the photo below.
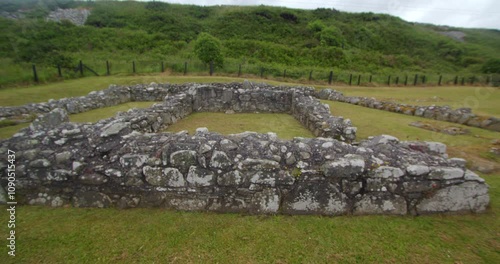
[{"x": 74, "y": 235}]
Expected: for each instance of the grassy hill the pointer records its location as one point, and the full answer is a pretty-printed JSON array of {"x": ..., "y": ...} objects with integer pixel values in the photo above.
[{"x": 253, "y": 35}]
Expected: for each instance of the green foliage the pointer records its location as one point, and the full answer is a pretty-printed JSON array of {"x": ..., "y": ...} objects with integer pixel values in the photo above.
[
  {"x": 269, "y": 37},
  {"x": 491, "y": 66},
  {"x": 316, "y": 26},
  {"x": 209, "y": 49},
  {"x": 331, "y": 36}
]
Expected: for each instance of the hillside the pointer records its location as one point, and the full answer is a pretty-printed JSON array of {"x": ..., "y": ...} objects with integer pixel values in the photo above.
[{"x": 261, "y": 35}]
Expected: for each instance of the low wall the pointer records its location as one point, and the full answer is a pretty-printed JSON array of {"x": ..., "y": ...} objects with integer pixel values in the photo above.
[
  {"x": 122, "y": 161},
  {"x": 462, "y": 116}
]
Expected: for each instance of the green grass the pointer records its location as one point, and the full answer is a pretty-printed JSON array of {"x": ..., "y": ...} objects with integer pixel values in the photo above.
[
  {"x": 284, "y": 125},
  {"x": 102, "y": 113},
  {"x": 482, "y": 100},
  {"x": 474, "y": 147},
  {"x": 76, "y": 235}
]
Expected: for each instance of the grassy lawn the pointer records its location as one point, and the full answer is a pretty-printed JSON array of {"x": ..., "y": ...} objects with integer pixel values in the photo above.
[
  {"x": 282, "y": 124},
  {"x": 482, "y": 100}
]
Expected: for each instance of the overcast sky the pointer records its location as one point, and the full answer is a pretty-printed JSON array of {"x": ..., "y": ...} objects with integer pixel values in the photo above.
[{"x": 459, "y": 13}]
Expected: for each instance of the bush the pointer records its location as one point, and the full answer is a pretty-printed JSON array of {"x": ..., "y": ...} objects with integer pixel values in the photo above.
[{"x": 209, "y": 49}]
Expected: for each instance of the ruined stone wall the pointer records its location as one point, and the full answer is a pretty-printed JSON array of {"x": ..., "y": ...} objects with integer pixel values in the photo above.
[
  {"x": 233, "y": 97},
  {"x": 111, "y": 164},
  {"x": 462, "y": 116},
  {"x": 122, "y": 161}
]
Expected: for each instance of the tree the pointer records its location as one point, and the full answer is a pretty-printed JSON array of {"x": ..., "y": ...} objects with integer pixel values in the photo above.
[{"x": 208, "y": 48}]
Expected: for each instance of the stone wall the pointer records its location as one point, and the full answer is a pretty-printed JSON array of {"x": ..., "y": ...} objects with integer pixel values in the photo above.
[
  {"x": 462, "y": 116},
  {"x": 110, "y": 164},
  {"x": 122, "y": 161},
  {"x": 233, "y": 97}
]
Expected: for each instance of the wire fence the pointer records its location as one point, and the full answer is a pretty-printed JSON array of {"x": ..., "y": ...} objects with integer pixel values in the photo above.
[{"x": 43, "y": 74}]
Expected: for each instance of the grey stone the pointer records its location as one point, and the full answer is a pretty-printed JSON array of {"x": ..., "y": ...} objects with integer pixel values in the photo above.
[
  {"x": 232, "y": 178},
  {"x": 466, "y": 197},
  {"x": 388, "y": 204},
  {"x": 198, "y": 177},
  {"x": 40, "y": 163},
  {"x": 267, "y": 201},
  {"x": 384, "y": 139},
  {"x": 228, "y": 145},
  {"x": 471, "y": 176},
  {"x": 50, "y": 120},
  {"x": 183, "y": 159},
  {"x": 92, "y": 179},
  {"x": 188, "y": 204},
  {"x": 113, "y": 173},
  {"x": 387, "y": 172},
  {"x": 259, "y": 165},
  {"x": 77, "y": 166},
  {"x": 91, "y": 199},
  {"x": 174, "y": 178},
  {"x": 133, "y": 160},
  {"x": 114, "y": 129},
  {"x": 154, "y": 175},
  {"x": 63, "y": 157},
  {"x": 220, "y": 160},
  {"x": 350, "y": 166},
  {"x": 417, "y": 170},
  {"x": 436, "y": 147},
  {"x": 439, "y": 173}
]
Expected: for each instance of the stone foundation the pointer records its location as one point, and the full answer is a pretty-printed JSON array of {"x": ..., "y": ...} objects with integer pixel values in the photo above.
[
  {"x": 463, "y": 116},
  {"x": 123, "y": 162}
]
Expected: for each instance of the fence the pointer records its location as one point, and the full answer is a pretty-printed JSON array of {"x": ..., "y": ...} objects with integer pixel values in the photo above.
[{"x": 342, "y": 77}]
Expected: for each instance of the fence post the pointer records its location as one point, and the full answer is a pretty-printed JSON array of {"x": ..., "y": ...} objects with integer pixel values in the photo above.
[
  {"x": 416, "y": 80},
  {"x": 463, "y": 80},
  {"x": 472, "y": 80},
  {"x": 406, "y": 80},
  {"x": 162, "y": 66},
  {"x": 456, "y": 80},
  {"x": 185, "y": 67},
  {"x": 107, "y": 68},
  {"x": 133, "y": 66},
  {"x": 81, "y": 68},
  {"x": 310, "y": 75},
  {"x": 487, "y": 80},
  {"x": 440, "y": 79},
  {"x": 211, "y": 68},
  {"x": 370, "y": 81},
  {"x": 330, "y": 78},
  {"x": 59, "y": 71},
  {"x": 284, "y": 73},
  {"x": 397, "y": 80},
  {"x": 35, "y": 75},
  {"x": 423, "y": 79},
  {"x": 359, "y": 79},
  {"x": 350, "y": 79},
  {"x": 239, "y": 70},
  {"x": 262, "y": 72},
  {"x": 389, "y": 81}
]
